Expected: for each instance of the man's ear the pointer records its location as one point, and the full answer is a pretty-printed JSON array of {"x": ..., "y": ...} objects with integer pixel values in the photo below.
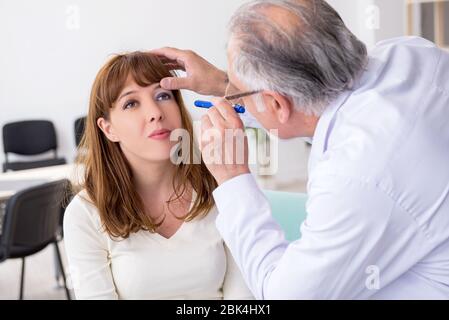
[
  {"x": 279, "y": 105},
  {"x": 106, "y": 127}
]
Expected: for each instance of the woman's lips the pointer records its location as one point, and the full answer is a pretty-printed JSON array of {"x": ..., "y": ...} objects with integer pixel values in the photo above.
[{"x": 160, "y": 134}]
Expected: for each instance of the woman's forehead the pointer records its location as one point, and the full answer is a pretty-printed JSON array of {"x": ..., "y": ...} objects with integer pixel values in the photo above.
[{"x": 131, "y": 83}]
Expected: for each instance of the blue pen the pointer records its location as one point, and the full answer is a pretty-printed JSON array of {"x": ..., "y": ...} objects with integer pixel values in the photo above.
[{"x": 206, "y": 104}]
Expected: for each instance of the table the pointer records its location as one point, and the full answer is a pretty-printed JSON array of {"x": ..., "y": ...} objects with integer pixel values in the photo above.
[
  {"x": 14, "y": 181},
  {"x": 8, "y": 188}
]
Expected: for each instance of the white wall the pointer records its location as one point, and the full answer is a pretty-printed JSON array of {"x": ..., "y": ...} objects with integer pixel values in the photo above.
[
  {"x": 373, "y": 20},
  {"x": 51, "y": 50},
  {"x": 355, "y": 14},
  {"x": 47, "y": 64},
  {"x": 393, "y": 19}
]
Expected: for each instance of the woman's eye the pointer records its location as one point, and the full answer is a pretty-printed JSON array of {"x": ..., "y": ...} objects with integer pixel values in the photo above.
[
  {"x": 130, "y": 104},
  {"x": 163, "y": 96}
]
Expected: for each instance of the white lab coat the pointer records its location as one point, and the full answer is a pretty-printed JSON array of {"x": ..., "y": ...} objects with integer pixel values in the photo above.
[{"x": 378, "y": 206}]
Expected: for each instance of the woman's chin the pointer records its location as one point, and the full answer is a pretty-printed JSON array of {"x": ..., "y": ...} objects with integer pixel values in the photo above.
[{"x": 161, "y": 159}]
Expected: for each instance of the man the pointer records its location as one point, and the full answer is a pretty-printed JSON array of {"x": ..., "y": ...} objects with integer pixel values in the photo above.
[{"x": 378, "y": 206}]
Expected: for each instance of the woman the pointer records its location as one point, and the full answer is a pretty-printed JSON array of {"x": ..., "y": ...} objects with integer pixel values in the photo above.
[{"x": 143, "y": 227}]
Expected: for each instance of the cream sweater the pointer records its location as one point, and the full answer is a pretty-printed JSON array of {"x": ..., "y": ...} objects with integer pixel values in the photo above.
[{"x": 193, "y": 264}]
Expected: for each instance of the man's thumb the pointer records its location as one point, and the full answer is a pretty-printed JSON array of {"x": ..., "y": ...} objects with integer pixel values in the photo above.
[{"x": 173, "y": 83}]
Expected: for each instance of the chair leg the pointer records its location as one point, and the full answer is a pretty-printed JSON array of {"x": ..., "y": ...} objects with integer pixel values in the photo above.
[
  {"x": 57, "y": 270},
  {"x": 22, "y": 279},
  {"x": 58, "y": 254}
]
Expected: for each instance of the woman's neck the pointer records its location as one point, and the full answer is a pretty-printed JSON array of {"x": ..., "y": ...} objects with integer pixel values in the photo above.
[
  {"x": 154, "y": 179},
  {"x": 154, "y": 183}
]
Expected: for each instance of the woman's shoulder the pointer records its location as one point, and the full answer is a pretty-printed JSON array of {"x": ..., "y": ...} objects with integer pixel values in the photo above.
[
  {"x": 212, "y": 214},
  {"x": 81, "y": 210},
  {"x": 81, "y": 201}
]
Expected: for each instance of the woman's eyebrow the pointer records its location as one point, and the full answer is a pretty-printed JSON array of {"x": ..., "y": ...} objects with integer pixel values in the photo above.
[
  {"x": 126, "y": 94},
  {"x": 155, "y": 85}
]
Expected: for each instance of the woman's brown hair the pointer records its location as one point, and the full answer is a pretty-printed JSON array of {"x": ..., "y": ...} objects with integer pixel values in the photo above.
[{"x": 108, "y": 178}]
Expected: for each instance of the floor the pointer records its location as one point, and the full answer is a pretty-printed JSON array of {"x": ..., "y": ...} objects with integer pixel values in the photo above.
[{"x": 40, "y": 282}]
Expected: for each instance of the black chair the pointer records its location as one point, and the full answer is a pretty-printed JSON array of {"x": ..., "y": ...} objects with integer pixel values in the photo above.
[
  {"x": 32, "y": 222},
  {"x": 80, "y": 125},
  {"x": 30, "y": 138}
]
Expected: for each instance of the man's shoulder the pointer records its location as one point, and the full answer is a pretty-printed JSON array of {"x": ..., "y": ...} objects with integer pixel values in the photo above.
[
  {"x": 405, "y": 41},
  {"x": 405, "y": 58}
]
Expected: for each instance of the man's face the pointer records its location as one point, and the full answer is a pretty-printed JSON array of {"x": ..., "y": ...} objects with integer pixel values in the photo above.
[
  {"x": 272, "y": 110},
  {"x": 256, "y": 105}
]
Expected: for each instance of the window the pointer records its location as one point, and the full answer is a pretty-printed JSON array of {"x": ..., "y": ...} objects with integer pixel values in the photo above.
[{"x": 429, "y": 19}]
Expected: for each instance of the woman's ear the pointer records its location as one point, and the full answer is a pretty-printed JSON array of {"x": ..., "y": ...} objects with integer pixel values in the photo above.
[
  {"x": 279, "y": 105},
  {"x": 107, "y": 129}
]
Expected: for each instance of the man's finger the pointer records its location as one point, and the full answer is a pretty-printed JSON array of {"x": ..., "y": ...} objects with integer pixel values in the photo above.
[
  {"x": 169, "y": 53},
  {"x": 164, "y": 59},
  {"x": 225, "y": 109},
  {"x": 174, "y": 83},
  {"x": 206, "y": 124},
  {"x": 174, "y": 66},
  {"x": 217, "y": 119}
]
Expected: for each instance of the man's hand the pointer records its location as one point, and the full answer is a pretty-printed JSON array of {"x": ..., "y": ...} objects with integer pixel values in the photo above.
[
  {"x": 202, "y": 77},
  {"x": 224, "y": 145}
]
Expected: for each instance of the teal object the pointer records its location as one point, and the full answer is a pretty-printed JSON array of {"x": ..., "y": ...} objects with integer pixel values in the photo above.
[{"x": 289, "y": 210}]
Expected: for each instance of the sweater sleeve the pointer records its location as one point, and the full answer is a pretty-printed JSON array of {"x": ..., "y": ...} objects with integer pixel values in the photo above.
[{"x": 87, "y": 252}]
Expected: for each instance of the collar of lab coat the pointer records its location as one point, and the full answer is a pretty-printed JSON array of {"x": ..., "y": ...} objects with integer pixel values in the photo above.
[{"x": 324, "y": 129}]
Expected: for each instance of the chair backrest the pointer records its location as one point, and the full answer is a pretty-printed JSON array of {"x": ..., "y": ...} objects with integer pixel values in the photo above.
[
  {"x": 29, "y": 137},
  {"x": 289, "y": 210},
  {"x": 80, "y": 125},
  {"x": 32, "y": 217}
]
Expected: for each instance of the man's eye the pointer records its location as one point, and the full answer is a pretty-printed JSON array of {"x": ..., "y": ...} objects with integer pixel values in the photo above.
[
  {"x": 130, "y": 104},
  {"x": 163, "y": 96}
]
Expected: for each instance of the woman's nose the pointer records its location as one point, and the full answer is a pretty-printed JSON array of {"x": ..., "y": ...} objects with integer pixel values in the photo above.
[
  {"x": 154, "y": 113},
  {"x": 155, "y": 118}
]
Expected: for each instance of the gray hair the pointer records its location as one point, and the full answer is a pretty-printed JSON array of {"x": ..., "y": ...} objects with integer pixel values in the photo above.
[{"x": 312, "y": 60}]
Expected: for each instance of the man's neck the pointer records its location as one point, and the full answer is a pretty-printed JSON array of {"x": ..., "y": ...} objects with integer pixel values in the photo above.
[{"x": 303, "y": 126}]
